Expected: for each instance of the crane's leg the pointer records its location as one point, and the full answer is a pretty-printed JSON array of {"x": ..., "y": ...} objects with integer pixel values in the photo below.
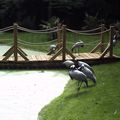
[
  {"x": 86, "y": 82},
  {"x": 78, "y": 52},
  {"x": 79, "y": 85}
]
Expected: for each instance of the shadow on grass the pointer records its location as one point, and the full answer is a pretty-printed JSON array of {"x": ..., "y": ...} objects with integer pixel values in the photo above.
[
  {"x": 92, "y": 85},
  {"x": 81, "y": 92},
  {"x": 77, "y": 94}
]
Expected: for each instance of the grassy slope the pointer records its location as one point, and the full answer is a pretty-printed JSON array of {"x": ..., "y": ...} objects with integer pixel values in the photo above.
[{"x": 101, "y": 102}]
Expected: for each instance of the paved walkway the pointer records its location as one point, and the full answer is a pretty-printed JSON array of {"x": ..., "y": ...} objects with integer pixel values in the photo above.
[{"x": 24, "y": 93}]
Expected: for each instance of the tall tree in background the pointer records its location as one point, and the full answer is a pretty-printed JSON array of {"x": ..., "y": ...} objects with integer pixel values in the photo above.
[
  {"x": 70, "y": 11},
  {"x": 107, "y": 9},
  {"x": 30, "y": 13},
  {"x": 26, "y": 12}
]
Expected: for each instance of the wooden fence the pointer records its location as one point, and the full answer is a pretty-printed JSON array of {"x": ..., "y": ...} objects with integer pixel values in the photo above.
[{"x": 62, "y": 38}]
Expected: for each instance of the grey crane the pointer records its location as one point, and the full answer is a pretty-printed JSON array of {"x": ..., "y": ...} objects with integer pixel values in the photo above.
[
  {"x": 75, "y": 74},
  {"x": 80, "y": 63},
  {"x": 68, "y": 63},
  {"x": 77, "y": 45},
  {"x": 52, "y": 49},
  {"x": 88, "y": 73}
]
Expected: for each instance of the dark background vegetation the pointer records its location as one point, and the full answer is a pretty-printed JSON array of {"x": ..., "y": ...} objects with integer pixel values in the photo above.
[{"x": 31, "y": 13}]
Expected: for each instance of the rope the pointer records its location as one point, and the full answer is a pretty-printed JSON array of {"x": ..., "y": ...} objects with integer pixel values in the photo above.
[
  {"x": 95, "y": 44},
  {"x": 10, "y": 43},
  {"x": 36, "y": 43},
  {"x": 31, "y": 44},
  {"x": 6, "y": 29},
  {"x": 50, "y": 29},
  {"x": 86, "y": 31},
  {"x": 6, "y": 39},
  {"x": 89, "y": 34},
  {"x": 37, "y": 31},
  {"x": 90, "y": 43}
]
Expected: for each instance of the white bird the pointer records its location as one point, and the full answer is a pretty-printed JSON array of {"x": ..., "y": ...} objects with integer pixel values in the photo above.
[
  {"x": 114, "y": 42},
  {"x": 52, "y": 49},
  {"x": 68, "y": 63},
  {"x": 78, "y": 75},
  {"x": 88, "y": 73},
  {"x": 80, "y": 63},
  {"x": 77, "y": 45}
]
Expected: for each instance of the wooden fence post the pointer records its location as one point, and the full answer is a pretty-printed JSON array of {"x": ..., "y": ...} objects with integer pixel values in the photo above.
[
  {"x": 111, "y": 41},
  {"x": 64, "y": 43},
  {"x": 102, "y": 38},
  {"x": 15, "y": 41},
  {"x": 59, "y": 37}
]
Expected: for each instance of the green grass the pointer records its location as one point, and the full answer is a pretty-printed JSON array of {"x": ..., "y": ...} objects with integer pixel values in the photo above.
[{"x": 100, "y": 102}]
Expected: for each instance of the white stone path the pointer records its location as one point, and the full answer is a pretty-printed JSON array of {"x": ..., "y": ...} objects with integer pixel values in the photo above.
[{"x": 24, "y": 93}]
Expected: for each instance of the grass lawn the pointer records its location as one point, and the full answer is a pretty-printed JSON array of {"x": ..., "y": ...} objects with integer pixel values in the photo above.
[{"x": 100, "y": 102}]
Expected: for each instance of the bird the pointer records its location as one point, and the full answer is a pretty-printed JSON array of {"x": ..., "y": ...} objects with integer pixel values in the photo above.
[
  {"x": 75, "y": 74},
  {"x": 80, "y": 63},
  {"x": 77, "y": 45},
  {"x": 116, "y": 38},
  {"x": 114, "y": 42},
  {"x": 52, "y": 49},
  {"x": 88, "y": 73},
  {"x": 68, "y": 63},
  {"x": 116, "y": 35}
]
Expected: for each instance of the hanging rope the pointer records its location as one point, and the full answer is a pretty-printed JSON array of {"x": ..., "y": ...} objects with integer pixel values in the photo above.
[
  {"x": 38, "y": 31},
  {"x": 86, "y": 31},
  {"x": 22, "y": 41},
  {"x": 50, "y": 29},
  {"x": 90, "y": 43},
  {"x": 31, "y": 44},
  {"x": 6, "y": 29},
  {"x": 88, "y": 34},
  {"x": 8, "y": 43},
  {"x": 5, "y": 39}
]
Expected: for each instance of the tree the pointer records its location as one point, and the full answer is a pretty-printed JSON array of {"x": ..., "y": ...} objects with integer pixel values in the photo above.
[
  {"x": 66, "y": 9},
  {"x": 30, "y": 13}
]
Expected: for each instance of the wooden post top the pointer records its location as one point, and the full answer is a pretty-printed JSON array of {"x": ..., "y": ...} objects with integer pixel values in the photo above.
[{"x": 15, "y": 24}]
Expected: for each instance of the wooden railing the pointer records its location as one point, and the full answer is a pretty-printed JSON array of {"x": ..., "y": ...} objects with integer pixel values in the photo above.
[{"x": 62, "y": 38}]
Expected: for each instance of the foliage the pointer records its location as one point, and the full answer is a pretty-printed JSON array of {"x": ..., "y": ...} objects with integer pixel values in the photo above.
[
  {"x": 92, "y": 21},
  {"x": 29, "y": 13},
  {"x": 117, "y": 26},
  {"x": 52, "y": 22}
]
